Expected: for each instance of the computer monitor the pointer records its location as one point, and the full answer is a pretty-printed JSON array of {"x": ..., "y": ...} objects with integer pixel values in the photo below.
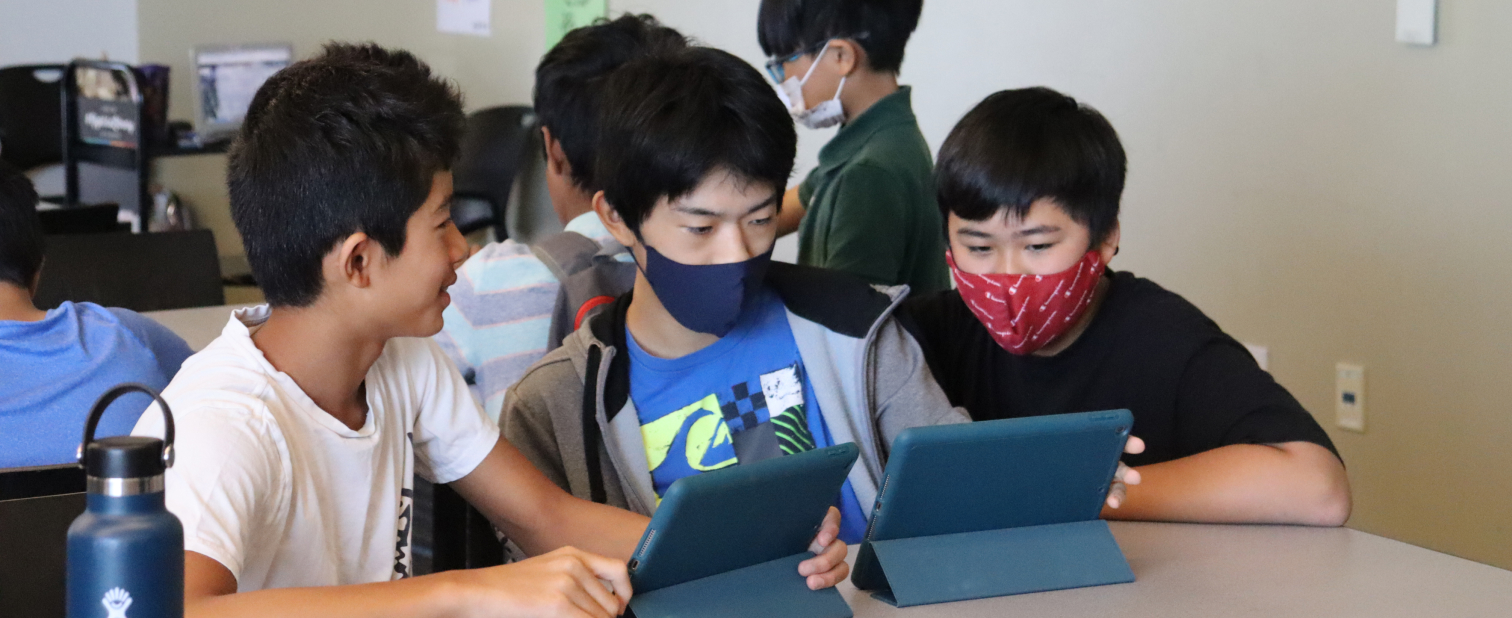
[
  {"x": 36, "y": 507},
  {"x": 226, "y": 80}
]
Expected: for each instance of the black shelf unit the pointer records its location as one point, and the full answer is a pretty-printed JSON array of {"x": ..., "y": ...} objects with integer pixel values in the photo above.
[{"x": 136, "y": 157}]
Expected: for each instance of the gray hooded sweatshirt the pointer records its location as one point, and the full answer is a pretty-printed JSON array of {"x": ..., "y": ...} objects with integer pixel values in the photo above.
[{"x": 867, "y": 372}]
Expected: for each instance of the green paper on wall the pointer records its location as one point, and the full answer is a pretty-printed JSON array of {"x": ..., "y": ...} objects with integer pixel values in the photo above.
[{"x": 564, "y": 15}]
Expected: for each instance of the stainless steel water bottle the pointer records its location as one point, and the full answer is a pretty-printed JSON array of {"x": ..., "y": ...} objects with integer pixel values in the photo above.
[{"x": 126, "y": 552}]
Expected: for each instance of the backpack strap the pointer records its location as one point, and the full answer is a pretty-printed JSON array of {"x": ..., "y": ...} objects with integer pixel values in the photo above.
[
  {"x": 587, "y": 293},
  {"x": 589, "y": 308},
  {"x": 591, "y": 433},
  {"x": 566, "y": 253},
  {"x": 614, "y": 391}
]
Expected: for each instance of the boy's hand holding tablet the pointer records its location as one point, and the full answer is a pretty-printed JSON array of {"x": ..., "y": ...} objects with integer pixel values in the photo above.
[
  {"x": 1125, "y": 475},
  {"x": 828, "y": 567}
]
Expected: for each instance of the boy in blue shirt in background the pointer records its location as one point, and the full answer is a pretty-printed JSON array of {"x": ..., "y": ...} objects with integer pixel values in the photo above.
[{"x": 54, "y": 364}]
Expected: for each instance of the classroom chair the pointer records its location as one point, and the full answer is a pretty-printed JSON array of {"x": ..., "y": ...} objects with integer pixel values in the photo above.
[
  {"x": 140, "y": 272},
  {"x": 494, "y": 150}
]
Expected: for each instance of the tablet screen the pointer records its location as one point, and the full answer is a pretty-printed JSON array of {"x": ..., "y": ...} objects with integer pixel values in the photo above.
[
  {"x": 999, "y": 474},
  {"x": 740, "y": 516}
]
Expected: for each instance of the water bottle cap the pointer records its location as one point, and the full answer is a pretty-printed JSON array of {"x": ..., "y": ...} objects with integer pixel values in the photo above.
[{"x": 124, "y": 457}]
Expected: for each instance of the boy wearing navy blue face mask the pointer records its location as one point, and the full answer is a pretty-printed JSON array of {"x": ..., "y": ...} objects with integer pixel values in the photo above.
[{"x": 719, "y": 356}]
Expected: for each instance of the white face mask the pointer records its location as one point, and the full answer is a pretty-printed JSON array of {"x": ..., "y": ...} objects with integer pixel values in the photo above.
[{"x": 822, "y": 116}]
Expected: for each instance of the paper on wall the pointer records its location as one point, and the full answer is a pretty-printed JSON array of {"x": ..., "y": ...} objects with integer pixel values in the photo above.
[{"x": 464, "y": 17}]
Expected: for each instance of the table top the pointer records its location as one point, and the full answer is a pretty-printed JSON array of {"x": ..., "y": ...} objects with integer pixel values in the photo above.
[
  {"x": 1194, "y": 570},
  {"x": 1243, "y": 571},
  {"x": 197, "y": 326}
]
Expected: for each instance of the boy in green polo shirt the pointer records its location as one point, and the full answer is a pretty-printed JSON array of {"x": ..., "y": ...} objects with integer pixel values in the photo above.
[{"x": 869, "y": 208}]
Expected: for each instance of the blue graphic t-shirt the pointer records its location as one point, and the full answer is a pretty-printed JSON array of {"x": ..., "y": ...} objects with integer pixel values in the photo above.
[{"x": 741, "y": 400}]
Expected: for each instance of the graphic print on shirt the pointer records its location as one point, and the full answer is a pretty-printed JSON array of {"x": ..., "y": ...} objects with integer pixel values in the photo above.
[
  {"x": 734, "y": 426},
  {"x": 783, "y": 390},
  {"x": 403, "y": 558}
]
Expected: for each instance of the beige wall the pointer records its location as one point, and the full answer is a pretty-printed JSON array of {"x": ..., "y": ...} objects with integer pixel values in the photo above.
[
  {"x": 1308, "y": 182},
  {"x": 496, "y": 70},
  {"x": 1311, "y": 184},
  {"x": 56, "y": 31}
]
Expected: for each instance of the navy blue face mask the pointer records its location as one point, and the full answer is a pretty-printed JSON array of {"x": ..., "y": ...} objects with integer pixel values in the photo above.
[{"x": 706, "y": 298}]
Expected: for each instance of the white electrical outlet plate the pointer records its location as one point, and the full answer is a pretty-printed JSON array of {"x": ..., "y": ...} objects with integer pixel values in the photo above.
[
  {"x": 1349, "y": 397},
  {"x": 1417, "y": 22},
  {"x": 1261, "y": 354}
]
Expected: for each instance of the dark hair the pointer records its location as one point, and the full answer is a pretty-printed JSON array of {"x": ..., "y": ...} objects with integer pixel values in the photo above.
[
  {"x": 881, "y": 27},
  {"x": 348, "y": 141},
  {"x": 21, "y": 238},
  {"x": 1018, "y": 146},
  {"x": 670, "y": 120},
  {"x": 571, "y": 76}
]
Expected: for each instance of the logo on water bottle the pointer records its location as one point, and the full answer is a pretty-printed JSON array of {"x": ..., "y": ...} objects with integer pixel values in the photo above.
[{"x": 116, "y": 601}]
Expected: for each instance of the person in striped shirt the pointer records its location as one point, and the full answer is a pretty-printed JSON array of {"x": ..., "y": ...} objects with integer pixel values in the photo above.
[{"x": 498, "y": 323}]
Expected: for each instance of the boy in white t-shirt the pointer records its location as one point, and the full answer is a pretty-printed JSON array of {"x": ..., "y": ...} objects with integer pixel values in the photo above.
[{"x": 300, "y": 428}]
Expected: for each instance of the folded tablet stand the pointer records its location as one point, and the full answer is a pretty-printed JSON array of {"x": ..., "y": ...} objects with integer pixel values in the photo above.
[
  {"x": 991, "y": 563},
  {"x": 727, "y": 543},
  {"x": 759, "y": 591}
]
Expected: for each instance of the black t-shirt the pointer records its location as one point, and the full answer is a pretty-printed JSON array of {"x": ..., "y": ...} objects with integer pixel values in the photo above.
[{"x": 1191, "y": 387}]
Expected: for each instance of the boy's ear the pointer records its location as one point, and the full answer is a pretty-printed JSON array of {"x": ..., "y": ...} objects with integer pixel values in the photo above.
[
  {"x": 36, "y": 282},
  {"x": 1110, "y": 244},
  {"x": 352, "y": 262},
  {"x": 612, "y": 220},
  {"x": 556, "y": 159},
  {"x": 848, "y": 56}
]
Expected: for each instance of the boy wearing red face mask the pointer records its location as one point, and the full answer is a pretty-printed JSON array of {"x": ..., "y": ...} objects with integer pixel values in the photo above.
[{"x": 1029, "y": 183}]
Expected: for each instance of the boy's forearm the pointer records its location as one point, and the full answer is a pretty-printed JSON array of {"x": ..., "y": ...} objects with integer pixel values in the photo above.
[
  {"x": 539, "y": 516},
  {"x": 791, "y": 215},
  {"x": 420, "y": 597},
  {"x": 596, "y": 528},
  {"x": 1291, "y": 483}
]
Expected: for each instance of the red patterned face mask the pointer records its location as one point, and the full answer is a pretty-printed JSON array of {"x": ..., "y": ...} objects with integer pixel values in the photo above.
[{"x": 1024, "y": 313}]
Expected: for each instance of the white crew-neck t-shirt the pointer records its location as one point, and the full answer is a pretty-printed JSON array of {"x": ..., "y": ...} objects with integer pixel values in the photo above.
[{"x": 280, "y": 492}]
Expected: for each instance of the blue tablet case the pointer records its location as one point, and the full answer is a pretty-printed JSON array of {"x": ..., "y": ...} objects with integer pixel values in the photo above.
[
  {"x": 727, "y": 543},
  {"x": 995, "y": 508}
]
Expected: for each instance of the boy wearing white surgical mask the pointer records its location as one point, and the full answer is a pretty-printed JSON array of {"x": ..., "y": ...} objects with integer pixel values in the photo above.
[
  {"x": 869, "y": 207},
  {"x": 1030, "y": 183}
]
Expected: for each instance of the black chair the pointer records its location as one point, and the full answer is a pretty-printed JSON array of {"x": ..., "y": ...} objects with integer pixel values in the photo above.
[
  {"x": 94, "y": 219},
  {"x": 457, "y": 536},
  {"x": 31, "y": 115},
  {"x": 140, "y": 272},
  {"x": 494, "y": 151},
  {"x": 36, "y": 507}
]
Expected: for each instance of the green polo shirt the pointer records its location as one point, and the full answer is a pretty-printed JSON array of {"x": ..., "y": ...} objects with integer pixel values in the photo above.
[{"x": 871, "y": 202}]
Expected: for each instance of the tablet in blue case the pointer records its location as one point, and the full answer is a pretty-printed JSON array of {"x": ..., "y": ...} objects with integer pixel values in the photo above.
[
  {"x": 727, "y": 543},
  {"x": 995, "y": 508}
]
